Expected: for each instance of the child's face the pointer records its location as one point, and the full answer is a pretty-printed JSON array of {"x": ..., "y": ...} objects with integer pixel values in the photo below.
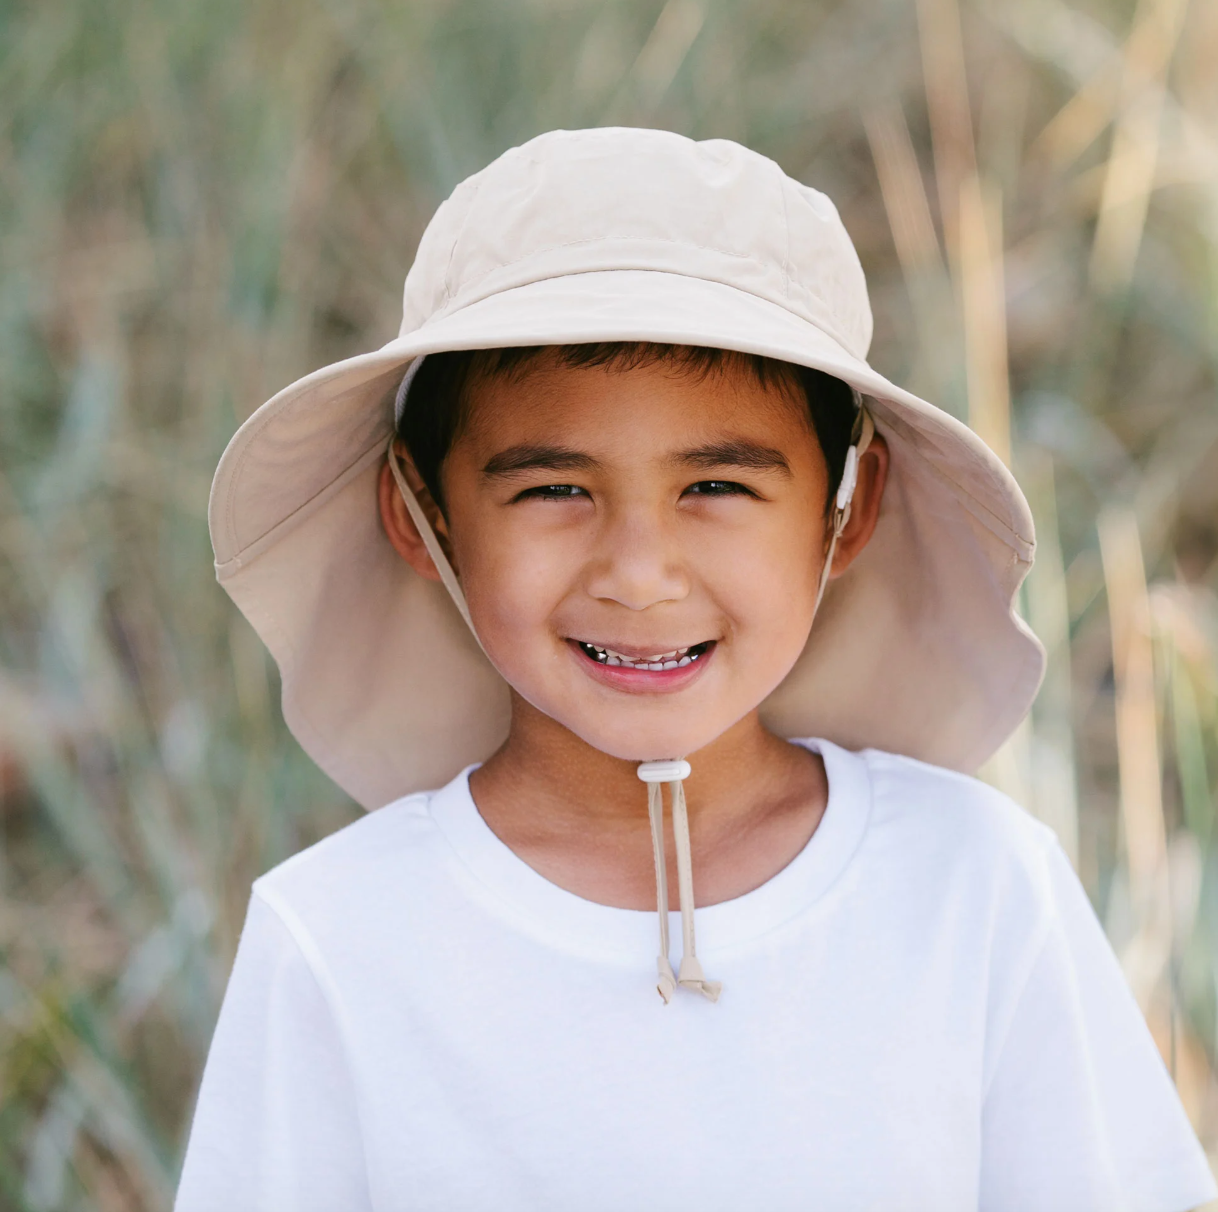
[{"x": 638, "y": 513}]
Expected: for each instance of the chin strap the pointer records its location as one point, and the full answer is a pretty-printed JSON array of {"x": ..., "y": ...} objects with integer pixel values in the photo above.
[
  {"x": 690, "y": 974},
  {"x": 423, "y": 526}
]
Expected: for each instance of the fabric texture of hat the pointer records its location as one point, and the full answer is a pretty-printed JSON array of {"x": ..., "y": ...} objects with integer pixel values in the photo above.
[{"x": 620, "y": 234}]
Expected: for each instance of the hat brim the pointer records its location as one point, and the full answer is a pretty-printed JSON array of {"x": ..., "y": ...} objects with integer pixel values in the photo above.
[{"x": 917, "y": 648}]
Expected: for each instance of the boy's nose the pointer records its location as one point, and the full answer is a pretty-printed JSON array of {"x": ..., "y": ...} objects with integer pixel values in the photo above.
[{"x": 636, "y": 566}]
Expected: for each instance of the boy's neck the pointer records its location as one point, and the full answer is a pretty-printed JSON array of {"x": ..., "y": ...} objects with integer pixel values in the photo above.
[{"x": 579, "y": 816}]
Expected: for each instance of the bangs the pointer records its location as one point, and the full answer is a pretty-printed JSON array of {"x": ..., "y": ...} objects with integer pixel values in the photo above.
[{"x": 436, "y": 408}]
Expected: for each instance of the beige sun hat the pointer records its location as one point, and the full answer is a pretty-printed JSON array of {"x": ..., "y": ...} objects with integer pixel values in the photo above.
[{"x": 606, "y": 235}]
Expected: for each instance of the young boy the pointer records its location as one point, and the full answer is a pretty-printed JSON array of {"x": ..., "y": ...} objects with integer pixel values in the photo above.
[{"x": 622, "y": 505}]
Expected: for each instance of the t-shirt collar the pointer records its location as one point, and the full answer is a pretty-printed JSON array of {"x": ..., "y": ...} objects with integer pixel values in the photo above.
[{"x": 587, "y": 928}]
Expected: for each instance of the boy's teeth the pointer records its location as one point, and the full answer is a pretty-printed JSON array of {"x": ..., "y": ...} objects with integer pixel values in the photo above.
[{"x": 661, "y": 660}]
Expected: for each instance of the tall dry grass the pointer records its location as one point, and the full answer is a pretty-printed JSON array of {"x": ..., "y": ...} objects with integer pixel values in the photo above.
[{"x": 198, "y": 203}]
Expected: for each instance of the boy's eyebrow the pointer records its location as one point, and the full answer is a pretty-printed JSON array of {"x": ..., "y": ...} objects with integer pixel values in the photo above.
[
  {"x": 538, "y": 458},
  {"x": 736, "y": 452},
  {"x": 732, "y": 453}
]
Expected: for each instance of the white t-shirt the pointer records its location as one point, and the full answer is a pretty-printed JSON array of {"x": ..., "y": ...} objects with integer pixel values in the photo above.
[{"x": 920, "y": 1014}]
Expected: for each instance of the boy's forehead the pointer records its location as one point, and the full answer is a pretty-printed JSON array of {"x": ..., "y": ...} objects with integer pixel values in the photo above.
[{"x": 545, "y": 398}]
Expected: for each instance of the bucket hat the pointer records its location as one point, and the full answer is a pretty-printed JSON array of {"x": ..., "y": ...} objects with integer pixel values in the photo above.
[{"x": 619, "y": 234}]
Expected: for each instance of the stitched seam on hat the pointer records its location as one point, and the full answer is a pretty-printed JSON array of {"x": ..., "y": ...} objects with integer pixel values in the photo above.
[
  {"x": 992, "y": 520},
  {"x": 786, "y": 219},
  {"x": 287, "y": 399},
  {"x": 739, "y": 256},
  {"x": 452, "y": 252},
  {"x": 299, "y": 401},
  {"x": 230, "y": 493},
  {"x": 462, "y": 302},
  {"x": 252, "y": 550}
]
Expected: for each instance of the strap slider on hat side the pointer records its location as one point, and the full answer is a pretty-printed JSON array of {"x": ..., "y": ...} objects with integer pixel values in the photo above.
[
  {"x": 844, "y": 499},
  {"x": 850, "y": 479}
]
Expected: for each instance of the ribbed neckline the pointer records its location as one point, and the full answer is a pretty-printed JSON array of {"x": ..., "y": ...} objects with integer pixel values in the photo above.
[{"x": 603, "y": 932}]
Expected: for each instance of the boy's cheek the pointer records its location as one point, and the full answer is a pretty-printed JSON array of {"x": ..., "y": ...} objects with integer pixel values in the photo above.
[
  {"x": 763, "y": 575},
  {"x": 525, "y": 575},
  {"x": 512, "y": 604}
]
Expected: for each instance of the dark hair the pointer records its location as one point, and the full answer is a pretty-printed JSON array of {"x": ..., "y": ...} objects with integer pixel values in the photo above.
[{"x": 437, "y": 404}]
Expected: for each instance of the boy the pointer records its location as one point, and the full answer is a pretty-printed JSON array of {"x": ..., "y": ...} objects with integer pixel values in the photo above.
[{"x": 624, "y": 502}]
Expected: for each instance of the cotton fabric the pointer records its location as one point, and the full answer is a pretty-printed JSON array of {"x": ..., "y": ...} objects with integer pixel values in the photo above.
[{"x": 920, "y": 1013}]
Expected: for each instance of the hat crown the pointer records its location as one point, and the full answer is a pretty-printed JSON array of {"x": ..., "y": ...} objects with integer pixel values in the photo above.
[{"x": 612, "y": 198}]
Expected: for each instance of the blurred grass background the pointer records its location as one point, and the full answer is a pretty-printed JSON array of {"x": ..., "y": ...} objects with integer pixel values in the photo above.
[{"x": 200, "y": 202}]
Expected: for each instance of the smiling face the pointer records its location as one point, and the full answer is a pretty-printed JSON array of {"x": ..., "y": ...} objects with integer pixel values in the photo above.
[{"x": 604, "y": 522}]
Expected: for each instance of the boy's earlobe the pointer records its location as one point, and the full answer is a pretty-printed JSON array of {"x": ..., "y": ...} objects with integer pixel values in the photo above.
[{"x": 399, "y": 525}]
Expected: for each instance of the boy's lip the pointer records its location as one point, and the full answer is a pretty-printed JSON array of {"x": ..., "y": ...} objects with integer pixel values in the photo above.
[{"x": 634, "y": 679}]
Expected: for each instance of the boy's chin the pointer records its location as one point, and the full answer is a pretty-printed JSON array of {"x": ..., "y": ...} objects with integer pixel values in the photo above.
[{"x": 635, "y": 744}]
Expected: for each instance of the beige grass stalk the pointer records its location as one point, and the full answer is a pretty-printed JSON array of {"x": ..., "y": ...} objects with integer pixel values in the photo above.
[{"x": 1146, "y": 955}]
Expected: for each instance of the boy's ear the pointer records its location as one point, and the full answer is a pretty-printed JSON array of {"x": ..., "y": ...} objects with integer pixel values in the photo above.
[
  {"x": 399, "y": 525},
  {"x": 865, "y": 508}
]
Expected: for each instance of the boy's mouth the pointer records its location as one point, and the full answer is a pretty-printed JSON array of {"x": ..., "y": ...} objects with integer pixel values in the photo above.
[{"x": 676, "y": 658}]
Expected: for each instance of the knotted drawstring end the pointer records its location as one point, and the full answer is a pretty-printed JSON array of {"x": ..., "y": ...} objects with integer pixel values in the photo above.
[
  {"x": 666, "y": 986},
  {"x": 692, "y": 977}
]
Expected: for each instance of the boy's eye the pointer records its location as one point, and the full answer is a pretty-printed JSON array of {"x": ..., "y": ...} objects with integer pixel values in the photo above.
[
  {"x": 553, "y": 492},
  {"x": 719, "y": 488}
]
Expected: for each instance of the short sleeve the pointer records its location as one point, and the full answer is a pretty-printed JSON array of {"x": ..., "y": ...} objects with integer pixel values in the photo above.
[
  {"x": 1080, "y": 1114},
  {"x": 276, "y": 1126}
]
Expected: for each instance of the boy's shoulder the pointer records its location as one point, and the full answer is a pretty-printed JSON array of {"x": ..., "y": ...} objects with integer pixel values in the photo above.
[
  {"x": 381, "y": 851},
  {"x": 944, "y": 818},
  {"x": 949, "y": 853}
]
